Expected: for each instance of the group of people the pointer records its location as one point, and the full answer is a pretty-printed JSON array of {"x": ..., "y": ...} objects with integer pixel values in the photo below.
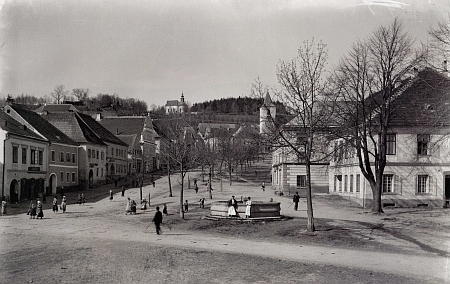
[
  {"x": 233, "y": 207},
  {"x": 62, "y": 206},
  {"x": 81, "y": 199},
  {"x": 131, "y": 207}
]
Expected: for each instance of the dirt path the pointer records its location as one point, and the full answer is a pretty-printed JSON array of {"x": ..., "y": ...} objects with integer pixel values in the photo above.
[{"x": 104, "y": 222}]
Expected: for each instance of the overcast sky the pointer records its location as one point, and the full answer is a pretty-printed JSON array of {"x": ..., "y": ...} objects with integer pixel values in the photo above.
[{"x": 207, "y": 49}]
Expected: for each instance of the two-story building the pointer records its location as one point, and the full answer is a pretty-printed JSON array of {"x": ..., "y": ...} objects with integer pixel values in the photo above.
[
  {"x": 62, "y": 169},
  {"x": 23, "y": 160},
  {"x": 417, "y": 172}
]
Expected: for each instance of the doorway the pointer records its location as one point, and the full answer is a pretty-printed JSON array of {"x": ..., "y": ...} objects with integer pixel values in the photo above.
[
  {"x": 447, "y": 190},
  {"x": 14, "y": 192}
]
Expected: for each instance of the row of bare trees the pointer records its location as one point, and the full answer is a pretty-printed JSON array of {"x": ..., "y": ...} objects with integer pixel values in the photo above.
[{"x": 351, "y": 102}]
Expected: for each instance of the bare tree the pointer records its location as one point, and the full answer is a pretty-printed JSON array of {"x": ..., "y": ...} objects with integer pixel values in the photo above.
[
  {"x": 59, "y": 93},
  {"x": 367, "y": 81},
  {"x": 80, "y": 94}
]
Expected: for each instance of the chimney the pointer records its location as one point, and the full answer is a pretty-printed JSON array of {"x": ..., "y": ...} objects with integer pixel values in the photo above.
[{"x": 98, "y": 117}]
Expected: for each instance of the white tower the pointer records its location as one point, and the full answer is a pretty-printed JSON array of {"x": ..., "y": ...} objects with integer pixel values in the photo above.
[{"x": 267, "y": 114}]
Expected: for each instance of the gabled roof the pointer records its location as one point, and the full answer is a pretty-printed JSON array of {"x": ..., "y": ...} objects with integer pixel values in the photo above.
[
  {"x": 127, "y": 125},
  {"x": 56, "y": 108},
  {"x": 101, "y": 131},
  {"x": 172, "y": 103},
  {"x": 11, "y": 125},
  {"x": 42, "y": 126},
  {"x": 425, "y": 102},
  {"x": 129, "y": 139},
  {"x": 73, "y": 126}
]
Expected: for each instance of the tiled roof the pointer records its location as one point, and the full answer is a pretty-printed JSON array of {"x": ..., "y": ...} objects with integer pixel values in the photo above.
[
  {"x": 426, "y": 102},
  {"x": 56, "y": 108},
  {"x": 129, "y": 139},
  {"x": 172, "y": 103},
  {"x": 101, "y": 131},
  {"x": 11, "y": 125},
  {"x": 44, "y": 127},
  {"x": 124, "y": 125},
  {"x": 73, "y": 126}
]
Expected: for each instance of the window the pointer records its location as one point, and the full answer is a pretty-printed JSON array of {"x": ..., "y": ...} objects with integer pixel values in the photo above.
[
  {"x": 53, "y": 156},
  {"x": 358, "y": 183},
  {"x": 68, "y": 177},
  {"x": 422, "y": 144},
  {"x": 390, "y": 144},
  {"x": 33, "y": 157},
  {"x": 351, "y": 183},
  {"x": 73, "y": 158},
  {"x": 24, "y": 155},
  {"x": 97, "y": 156},
  {"x": 102, "y": 155},
  {"x": 89, "y": 153},
  {"x": 62, "y": 176},
  {"x": 301, "y": 181},
  {"x": 338, "y": 183},
  {"x": 61, "y": 157},
  {"x": 102, "y": 172},
  {"x": 15, "y": 154},
  {"x": 73, "y": 177},
  {"x": 41, "y": 157},
  {"x": 112, "y": 151},
  {"x": 422, "y": 181},
  {"x": 345, "y": 182},
  {"x": 68, "y": 157},
  {"x": 388, "y": 186}
]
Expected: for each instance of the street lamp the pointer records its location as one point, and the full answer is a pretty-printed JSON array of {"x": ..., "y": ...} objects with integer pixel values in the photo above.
[{"x": 142, "y": 169}]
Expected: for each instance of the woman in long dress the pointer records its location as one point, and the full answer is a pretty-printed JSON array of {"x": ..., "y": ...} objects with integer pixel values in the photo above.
[
  {"x": 63, "y": 204},
  {"x": 40, "y": 212},
  {"x": 55, "y": 204},
  {"x": 32, "y": 210},
  {"x": 3, "y": 207},
  {"x": 232, "y": 205},
  {"x": 128, "y": 208},
  {"x": 248, "y": 208}
]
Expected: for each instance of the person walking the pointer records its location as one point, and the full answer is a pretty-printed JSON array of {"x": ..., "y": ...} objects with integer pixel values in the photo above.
[
  {"x": 79, "y": 199},
  {"x": 144, "y": 204},
  {"x": 83, "y": 200},
  {"x": 157, "y": 219},
  {"x": 296, "y": 200},
  {"x": 196, "y": 188},
  {"x": 110, "y": 194},
  {"x": 133, "y": 207},
  {"x": 248, "y": 208},
  {"x": 32, "y": 210},
  {"x": 263, "y": 186},
  {"x": 186, "y": 206},
  {"x": 165, "y": 210},
  {"x": 4, "y": 207},
  {"x": 123, "y": 190},
  {"x": 202, "y": 203},
  {"x": 40, "y": 212},
  {"x": 63, "y": 204},
  {"x": 55, "y": 204}
]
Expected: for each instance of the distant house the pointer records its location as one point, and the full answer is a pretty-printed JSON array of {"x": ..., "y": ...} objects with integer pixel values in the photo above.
[
  {"x": 176, "y": 107},
  {"x": 138, "y": 133},
  {"x": 23, "y": 159},
  {"x": 417, "y": 172},
  {"x": 62, "y": 170}
]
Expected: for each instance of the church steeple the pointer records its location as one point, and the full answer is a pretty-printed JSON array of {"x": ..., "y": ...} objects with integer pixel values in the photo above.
[{"x": 182, "y": 97}]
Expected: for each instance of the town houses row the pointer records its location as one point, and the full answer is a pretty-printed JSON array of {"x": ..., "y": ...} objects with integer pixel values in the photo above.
[{"x": 56, "y": 149}]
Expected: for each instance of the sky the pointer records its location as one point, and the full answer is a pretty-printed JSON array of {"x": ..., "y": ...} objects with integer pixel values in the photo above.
[{"x": 206, "y": 49}]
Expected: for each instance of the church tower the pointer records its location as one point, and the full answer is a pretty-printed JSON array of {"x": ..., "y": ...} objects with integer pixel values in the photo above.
[{"x": 267, "y": 113}]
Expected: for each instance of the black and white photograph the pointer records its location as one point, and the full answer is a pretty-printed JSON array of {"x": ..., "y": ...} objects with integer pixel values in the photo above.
[{"x": 225, "y": 141}]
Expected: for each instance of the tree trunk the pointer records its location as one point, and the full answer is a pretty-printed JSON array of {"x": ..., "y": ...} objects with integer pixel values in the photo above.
[
  {"x": 168, "y": 176},
  {"x": 311, "y": 227},
  {"x": 376, "y": 195},
  {"x": 209, "y": 184},
  {"x": 181, "y": 194}
]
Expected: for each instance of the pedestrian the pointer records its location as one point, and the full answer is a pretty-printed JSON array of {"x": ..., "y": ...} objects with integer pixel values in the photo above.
[
  {"x": 4, "y": 207},
  {"x": 202, "y": 203},
  {"x": 133, "y": 207},
  {"x": 32, "y": 210},
  {"x": 63, "y": 204},
  {"x": 186, "y": 206},
  {"x": 248, "y": 208},
  {"x": 196, "y": 188},
  {"x": 154, "y": 184},
  {"x": 232, "y": 207},
  {"x": 296, "y": 200},
  {"x": 263, "y": 186},
  {"x": 128, "y": 207},
  {"x": 110, "y": 194},
  {"x": 40, "y": 212},
  {"x": 165, "y": 210},
  {"x": 157, "y": 219},
  {"x": 143, "y": 204},
  {"x": 123, "y": 190},
  {"x": 55, "y": 204},
  {"x": 79, "y": 199},
  {"x": 83, "y": 200}
]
